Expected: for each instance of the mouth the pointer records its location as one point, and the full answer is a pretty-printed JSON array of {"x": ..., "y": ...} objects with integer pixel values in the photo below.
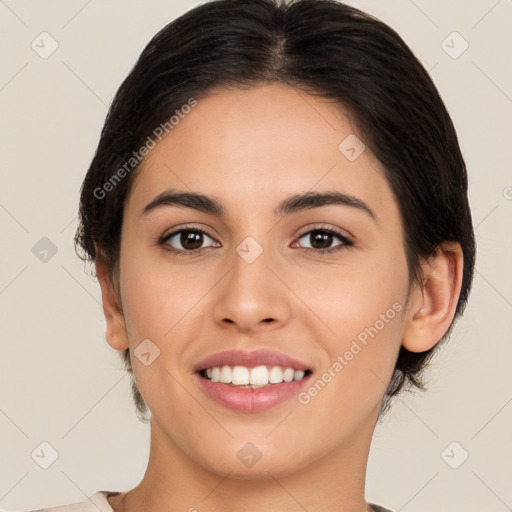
[
  {"x": 256, "y": 377},
  {"x": 251, "y": 381}
]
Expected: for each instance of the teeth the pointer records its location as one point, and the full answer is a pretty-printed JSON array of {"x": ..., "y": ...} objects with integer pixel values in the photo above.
[
  {"x": 258, "y": 376},
  {"x": 240, "y": 375},
  {"x": 275, "y": 375},
  {"x": 215, "y": 374},
  {"x": 225, "y": 375},
  {"x": 299, "y": 374},
  {"x": 288, "y": 374}
]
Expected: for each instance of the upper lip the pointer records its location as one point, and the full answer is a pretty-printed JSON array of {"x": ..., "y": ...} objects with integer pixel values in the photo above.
[{"x": 250, "y": 359}]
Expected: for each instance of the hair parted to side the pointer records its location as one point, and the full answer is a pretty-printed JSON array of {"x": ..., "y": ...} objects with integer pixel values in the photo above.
[{"x": 320, "y": 47}]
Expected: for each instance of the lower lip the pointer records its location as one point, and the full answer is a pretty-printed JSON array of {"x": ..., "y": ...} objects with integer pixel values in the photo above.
[{"x": 251, "y": 399}]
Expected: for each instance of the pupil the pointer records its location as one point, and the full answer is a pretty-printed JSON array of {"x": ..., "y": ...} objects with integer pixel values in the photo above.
[
  {"x": 191, "y": 240},
  {"x": 324, "y": 239}
]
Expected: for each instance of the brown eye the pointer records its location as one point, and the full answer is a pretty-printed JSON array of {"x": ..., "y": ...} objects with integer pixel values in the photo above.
[
  {"x": 321, "y": 240},
  {"x": 187, "y": 240}
]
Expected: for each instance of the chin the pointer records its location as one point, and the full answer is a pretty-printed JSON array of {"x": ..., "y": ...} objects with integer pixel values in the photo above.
[{"x": 248, "y": 464}]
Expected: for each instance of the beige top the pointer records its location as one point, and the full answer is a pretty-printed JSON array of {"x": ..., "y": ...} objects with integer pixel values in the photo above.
[
  {"x": 99, "y": 502},
  {"x": 95, "y": 503}
]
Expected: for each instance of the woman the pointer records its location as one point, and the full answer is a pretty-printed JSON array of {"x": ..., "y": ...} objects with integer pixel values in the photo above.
[{"x": 278, "y": 217}]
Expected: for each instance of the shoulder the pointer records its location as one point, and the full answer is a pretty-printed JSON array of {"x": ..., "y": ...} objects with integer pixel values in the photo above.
[
  {"x": 378, "y": 508},
  {"x": 96, "y": 503}
]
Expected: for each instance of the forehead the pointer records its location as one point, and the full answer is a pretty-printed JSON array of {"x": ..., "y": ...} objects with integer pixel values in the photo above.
[{"x": 255, "y": 145}]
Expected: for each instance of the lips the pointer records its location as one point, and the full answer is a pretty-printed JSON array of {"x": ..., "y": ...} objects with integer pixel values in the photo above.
[{"x": 265, "y": 394}]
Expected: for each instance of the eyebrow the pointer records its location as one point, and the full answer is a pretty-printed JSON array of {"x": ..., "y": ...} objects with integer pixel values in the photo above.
[{"x": 292, "y": 204}]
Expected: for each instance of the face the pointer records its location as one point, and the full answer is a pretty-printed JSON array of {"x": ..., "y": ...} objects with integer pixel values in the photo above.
[{"x": 323, "y": 282}]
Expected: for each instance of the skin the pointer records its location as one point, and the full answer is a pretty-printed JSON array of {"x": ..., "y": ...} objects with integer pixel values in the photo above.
[{"x": 250, "y": 149}]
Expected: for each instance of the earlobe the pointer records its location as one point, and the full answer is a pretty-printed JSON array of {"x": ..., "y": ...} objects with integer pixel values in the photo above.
[
  {"x": 115, "y": 333},
  {"x": 432, "y": 305}
]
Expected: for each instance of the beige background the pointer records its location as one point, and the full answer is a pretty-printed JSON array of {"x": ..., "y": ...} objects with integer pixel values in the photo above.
[{"x": 59, "y": 380}]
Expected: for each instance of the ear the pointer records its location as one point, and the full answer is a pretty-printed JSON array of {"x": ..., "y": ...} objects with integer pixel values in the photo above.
[
  {"x": 116, "y": 329},
  {"x": 432, "y": 305}
]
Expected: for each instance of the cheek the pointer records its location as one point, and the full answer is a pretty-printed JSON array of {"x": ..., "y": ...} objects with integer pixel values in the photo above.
[
  {"x": 360, "y": 354},
  {"x": 159, "y": 304},
  {"x": 363, "y": 306},
  {"x": 353, "y": 296},
  {"x": 158, "y": 296}
]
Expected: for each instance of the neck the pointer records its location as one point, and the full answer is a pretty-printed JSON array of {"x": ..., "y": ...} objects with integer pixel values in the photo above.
[{"x": 173, "y": 481}]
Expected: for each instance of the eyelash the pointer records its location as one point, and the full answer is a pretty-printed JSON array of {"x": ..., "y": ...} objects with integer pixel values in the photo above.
[{"x": 346, "y": 242}]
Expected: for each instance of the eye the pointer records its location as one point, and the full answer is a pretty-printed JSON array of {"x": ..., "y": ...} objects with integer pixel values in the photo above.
[
  {"x": 186, "y": 240},
  {"x": 321, "y": 239}
]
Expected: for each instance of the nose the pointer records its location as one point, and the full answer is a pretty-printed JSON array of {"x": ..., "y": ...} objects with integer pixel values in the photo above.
[{"x": 253, "y": 295}]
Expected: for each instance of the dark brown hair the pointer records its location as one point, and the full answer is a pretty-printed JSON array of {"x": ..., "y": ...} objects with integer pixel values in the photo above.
[{"x": 320, "y": 47}]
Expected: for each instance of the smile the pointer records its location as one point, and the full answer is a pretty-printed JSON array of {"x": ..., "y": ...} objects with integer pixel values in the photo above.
[{"x": 256, "y": 377}]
